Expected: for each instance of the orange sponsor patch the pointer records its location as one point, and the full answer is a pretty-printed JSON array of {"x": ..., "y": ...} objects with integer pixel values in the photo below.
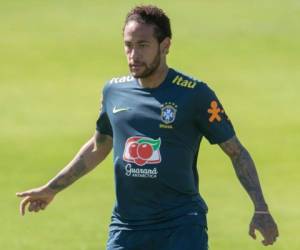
[{"x": 214, "y": 110}]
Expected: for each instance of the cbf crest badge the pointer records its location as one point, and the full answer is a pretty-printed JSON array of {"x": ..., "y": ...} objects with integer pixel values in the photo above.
[{"x": 168, "y": 114}]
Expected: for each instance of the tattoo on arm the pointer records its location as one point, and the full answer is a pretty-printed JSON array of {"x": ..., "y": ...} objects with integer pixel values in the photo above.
[
  {"x": 90, "y": 155},
  {"x": 68, "y": 175},
  {"x": 245, "y": 171}
]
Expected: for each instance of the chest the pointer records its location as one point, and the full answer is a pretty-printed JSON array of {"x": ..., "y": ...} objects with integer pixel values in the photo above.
[{"x": 162, "y": 111}]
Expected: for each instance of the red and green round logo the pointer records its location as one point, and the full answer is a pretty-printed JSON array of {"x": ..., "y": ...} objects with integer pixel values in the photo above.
[{"x": 142, "y": 150}]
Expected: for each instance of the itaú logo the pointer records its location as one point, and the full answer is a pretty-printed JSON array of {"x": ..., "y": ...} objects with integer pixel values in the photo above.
[{"x": 142, "y": 150}]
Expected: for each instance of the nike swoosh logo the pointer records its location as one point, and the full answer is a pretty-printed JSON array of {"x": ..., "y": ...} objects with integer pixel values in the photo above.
[{"x": 116, "y": 110}]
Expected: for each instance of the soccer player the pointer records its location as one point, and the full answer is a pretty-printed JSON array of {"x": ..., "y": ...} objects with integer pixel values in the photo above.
[{"x": 154, "y": 119}]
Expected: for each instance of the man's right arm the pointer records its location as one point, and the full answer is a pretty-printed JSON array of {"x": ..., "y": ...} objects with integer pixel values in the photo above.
[{"x": 89, "y": 156}]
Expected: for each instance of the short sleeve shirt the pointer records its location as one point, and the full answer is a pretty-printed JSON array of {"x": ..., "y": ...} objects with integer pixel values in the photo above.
[{"x": 156, "y": 138}]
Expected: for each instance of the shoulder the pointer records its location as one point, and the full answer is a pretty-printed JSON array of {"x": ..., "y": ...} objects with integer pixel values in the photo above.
[
  {"x": 121, "y": 79},
  {"x": 117, "y": 82},
  {"x": 189, "y": 82},
  {"x": 184, "y": 81}
]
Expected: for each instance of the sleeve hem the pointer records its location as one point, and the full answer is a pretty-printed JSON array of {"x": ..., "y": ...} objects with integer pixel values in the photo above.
[
  {"x": 104, "y": 132},
  {"x": 221, "y": 140}
]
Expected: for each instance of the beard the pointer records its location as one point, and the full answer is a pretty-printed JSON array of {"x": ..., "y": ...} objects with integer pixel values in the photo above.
[{"x": 149, "y": 69}]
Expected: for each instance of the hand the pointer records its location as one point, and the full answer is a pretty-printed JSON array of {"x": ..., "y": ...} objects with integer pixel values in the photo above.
[
  {"x": 38, "y": 199},
  {"x": 266, "y": 225}
]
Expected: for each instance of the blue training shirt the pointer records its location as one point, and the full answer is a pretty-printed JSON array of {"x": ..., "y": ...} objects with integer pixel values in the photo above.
[{"x": 156, "y": 137}]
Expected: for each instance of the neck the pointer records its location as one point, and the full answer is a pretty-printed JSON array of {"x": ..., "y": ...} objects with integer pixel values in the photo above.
[{"x": 155, "y": 79}]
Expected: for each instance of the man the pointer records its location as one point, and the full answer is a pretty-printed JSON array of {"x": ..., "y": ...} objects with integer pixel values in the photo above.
[{"x": 155, "y": 120}]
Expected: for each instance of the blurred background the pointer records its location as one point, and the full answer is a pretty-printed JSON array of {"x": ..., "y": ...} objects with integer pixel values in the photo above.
[{"x": 54, "y": 59}]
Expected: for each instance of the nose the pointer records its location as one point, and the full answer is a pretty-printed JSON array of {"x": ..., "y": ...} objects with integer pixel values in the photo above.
[{"x": 134, "y": 55}]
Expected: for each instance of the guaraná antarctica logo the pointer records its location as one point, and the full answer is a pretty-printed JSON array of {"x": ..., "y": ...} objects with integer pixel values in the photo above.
[{"x": 142, "y": 150}]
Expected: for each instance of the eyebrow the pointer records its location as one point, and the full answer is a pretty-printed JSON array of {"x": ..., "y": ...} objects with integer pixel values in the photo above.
[{"x": 141, "y": 41}]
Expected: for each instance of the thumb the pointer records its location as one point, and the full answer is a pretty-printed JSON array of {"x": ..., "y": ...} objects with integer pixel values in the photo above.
[
  {"x": 24, "y": 194},
  {"x": 252, "y": 231}
]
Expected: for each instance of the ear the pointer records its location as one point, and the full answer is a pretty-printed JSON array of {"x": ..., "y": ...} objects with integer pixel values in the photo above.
[{"x": 165, "y": 45}]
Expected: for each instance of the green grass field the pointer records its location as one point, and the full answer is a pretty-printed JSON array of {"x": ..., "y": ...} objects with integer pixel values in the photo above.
[{"x": 54, "y": 59}]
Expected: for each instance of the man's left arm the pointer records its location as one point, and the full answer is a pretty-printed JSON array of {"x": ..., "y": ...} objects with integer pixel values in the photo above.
[{"x": 246, "y": 172}]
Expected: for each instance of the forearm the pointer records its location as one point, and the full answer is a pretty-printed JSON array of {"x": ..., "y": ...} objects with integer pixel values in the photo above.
[
  {"x": 88, "y": 157},
  {"x": 262, "y": 220},
  {"x": 245, "y": 171},
  {"x": 247, "y": 175}
]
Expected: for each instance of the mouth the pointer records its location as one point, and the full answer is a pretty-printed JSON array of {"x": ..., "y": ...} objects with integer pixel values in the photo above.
[{"x": 135, "y": 65}]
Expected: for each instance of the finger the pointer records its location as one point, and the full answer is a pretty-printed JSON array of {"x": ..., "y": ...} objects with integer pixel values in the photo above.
[
  {"x": 31, "y": 207},
  {"x": 39, "y": 206},
  {"x": 36, "y": 206},
  {"x": 276, "y": 231},
  {"x": 23, "y": 205},
  {"x": 43, "y": 205},
  {"x": 252, "y": 231},
  {"x": 275, "y": 235},
  {"x": 268, "y": 237},
  {"x": 23, "y": 194},
  {"x": 267, "y": 242}
]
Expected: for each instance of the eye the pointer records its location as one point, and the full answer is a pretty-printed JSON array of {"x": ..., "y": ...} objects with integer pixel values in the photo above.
[
  {"x": 143, "y": 45},
  {"x": 128, "y": 45}
]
